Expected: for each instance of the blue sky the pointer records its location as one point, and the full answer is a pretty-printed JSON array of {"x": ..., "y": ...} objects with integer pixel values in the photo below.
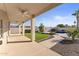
[{"x": 61, "y": 14}]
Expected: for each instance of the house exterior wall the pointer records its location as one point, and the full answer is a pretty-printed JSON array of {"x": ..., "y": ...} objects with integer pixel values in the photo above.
[{"x": 5, "y": 25}]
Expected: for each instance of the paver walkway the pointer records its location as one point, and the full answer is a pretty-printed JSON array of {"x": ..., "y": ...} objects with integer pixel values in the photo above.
[{"x": 52, "y": 41}]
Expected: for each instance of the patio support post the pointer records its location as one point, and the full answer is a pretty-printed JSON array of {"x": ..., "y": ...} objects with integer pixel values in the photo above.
[
  {"x": 19, "y": 29},
  {"x": 23, "y": 29},
  {"x": 5, "y": 36},
  {"x": 8, "y": 28},
  {"x": 33, "y": 29}
]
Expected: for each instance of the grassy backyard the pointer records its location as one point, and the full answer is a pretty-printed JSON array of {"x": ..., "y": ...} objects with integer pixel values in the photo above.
[{"x": 39, "y": 36}]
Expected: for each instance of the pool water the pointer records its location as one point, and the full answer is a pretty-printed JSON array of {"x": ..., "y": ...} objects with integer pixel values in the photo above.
[{"x": 62, "y": 34}]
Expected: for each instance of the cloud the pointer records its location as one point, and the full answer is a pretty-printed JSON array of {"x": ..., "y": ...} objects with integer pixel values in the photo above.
[
  {"x": 55, "y": 20},
  {"x": 69, "y": 19},
  {"x": 60, "y": 18},
  {"x": 63, "y": 17}
]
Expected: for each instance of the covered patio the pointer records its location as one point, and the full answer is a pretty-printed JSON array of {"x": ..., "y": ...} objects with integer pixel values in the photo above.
[{"x": 20, "y": 13}]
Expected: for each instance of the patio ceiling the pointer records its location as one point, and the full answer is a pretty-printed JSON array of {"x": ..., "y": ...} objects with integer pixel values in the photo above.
[{"x": 20, "y": 12}]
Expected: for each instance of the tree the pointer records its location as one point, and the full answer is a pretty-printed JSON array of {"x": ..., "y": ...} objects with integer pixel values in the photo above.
[
  {"x": 52, "y": 31},
  {"x": 60, "y": 25},
  {"x": 66, "y": 26},
  {"x": 76, "y": 13},
  {"x": 74, "y": 23},
  {"x": 71, "y": 36},
  {"x": 41, "y": 28}
]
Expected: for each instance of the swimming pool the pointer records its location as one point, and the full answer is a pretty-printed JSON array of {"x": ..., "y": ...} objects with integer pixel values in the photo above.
[{"x": 62, "y": 34}]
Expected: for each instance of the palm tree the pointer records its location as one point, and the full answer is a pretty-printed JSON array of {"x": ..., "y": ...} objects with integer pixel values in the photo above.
[
  {"x": 74, "y": 23},
  {"x": 41, "y": 28},
  {"x": 72, "y": 34},
  {"x": 77, "y": 16}
]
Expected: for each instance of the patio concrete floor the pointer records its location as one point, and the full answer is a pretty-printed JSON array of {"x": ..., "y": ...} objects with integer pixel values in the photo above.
[
  {"x": 18, "y": 38},
  {"x": 26, "y": 49}
]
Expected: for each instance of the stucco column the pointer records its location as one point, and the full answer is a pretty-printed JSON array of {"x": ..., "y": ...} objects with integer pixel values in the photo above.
[
  {"x": 4, "y": 43},
  {"x": 19, "y": 29},
  {"x": 5, "y": 37},
  {"x": 23, "y": 32},
  {"x": 33, "y": 29},
  {"x": 8, "y": 28}
]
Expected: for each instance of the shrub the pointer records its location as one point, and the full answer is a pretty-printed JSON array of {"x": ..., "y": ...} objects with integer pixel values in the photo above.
[
  {"x": 72, "y": 33},
  {"x": 27, "y": 31},
  {"x": 53, "y": 30},
  {"x": 51, "y": 33},
  {"x": 77, "y": 36}
]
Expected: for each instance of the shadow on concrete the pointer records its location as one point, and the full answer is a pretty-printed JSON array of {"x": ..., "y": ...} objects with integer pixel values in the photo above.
[
  {"x": 19, "y": 41},
  {"x": 55, "y": 41}
]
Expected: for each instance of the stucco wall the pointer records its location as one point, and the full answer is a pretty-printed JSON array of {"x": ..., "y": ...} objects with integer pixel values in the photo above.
[{"x": 5, "y": 21}]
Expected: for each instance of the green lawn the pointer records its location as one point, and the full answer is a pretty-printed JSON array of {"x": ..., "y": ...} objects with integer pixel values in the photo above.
[{"x": 39, "y": 36}]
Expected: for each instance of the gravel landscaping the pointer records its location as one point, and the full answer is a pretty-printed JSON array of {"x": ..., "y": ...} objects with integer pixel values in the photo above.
[{"x": 67, "y": 49}]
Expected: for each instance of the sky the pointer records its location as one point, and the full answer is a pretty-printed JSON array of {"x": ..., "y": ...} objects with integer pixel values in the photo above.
[{"x": 61, "y": 14}]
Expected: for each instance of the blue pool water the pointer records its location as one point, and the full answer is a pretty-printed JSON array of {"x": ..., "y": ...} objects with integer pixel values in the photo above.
[{"x": 62, "y": 34}]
